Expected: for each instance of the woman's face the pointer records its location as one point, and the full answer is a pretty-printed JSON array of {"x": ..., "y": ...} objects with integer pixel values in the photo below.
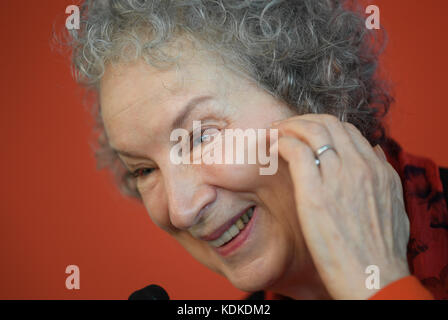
[{"x": 197, "y": 203}]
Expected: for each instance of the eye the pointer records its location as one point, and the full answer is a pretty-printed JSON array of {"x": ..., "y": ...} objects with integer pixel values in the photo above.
[
  {"x": 205, "y": 136},
  {"x": 142, "y": 172}
]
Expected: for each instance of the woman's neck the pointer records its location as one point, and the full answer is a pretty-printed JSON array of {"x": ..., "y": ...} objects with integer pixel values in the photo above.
[{"x": 302, "y": 282}]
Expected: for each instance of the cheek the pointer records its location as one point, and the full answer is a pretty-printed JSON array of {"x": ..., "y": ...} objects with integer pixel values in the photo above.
[
  {"x": 157, "y": 207},
  {"x": 242, "y": 177}
]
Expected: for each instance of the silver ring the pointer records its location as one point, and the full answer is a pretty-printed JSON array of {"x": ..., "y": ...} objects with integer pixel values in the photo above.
[{"x": 320, "y": 151}]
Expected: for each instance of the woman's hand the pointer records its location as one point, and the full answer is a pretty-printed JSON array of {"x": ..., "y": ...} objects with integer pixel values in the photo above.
[{"x": 350, "y": 208}]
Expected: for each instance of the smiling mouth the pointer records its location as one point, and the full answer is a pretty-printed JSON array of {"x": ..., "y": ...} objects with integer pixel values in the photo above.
[{"x": 234, "y": 229}]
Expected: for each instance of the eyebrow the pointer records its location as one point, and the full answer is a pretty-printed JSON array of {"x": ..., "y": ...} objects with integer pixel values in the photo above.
[
  {"x": 177, "y": 122},
  {"x": 189, "y": 107},
  {"x": 129, "y": 154}
]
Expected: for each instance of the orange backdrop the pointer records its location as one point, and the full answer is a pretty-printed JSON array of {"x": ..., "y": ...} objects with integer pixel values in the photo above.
[{"x": 57, "y": 209}]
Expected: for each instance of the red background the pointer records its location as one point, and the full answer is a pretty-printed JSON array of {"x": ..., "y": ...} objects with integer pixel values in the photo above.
[{"x": 57, "y": 209}]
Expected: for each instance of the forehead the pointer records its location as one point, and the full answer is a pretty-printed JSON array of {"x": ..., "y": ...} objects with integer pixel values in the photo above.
[
  {"x": 126, "y": 86},
  {"x": 138, "y": 99}
]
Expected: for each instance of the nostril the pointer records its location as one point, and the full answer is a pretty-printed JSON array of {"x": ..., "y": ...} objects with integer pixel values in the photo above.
[
  {"x": 188, "y": 202},
  {"x": 201, "y": 213},
  {"x": 185, "y": 218}
]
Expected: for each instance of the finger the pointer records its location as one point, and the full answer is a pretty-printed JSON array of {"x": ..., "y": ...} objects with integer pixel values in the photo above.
[
  {"x": 362, "y": 144},
  {"x": 305, "y": 174},
  {"x": 341, "y": 138},
  {"x": 379, "y": 151},
  {"x": 342, "y": 141},
  {"x": 315, "y": 135}
]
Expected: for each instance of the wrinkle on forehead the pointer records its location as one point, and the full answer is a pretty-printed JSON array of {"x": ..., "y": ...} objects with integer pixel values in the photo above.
[
  {"x": 120, "y": 89},
  {"x": 138, "y": 100},
  {"x": 194, "y": 64},
  {"x": 163, "y": 85}
]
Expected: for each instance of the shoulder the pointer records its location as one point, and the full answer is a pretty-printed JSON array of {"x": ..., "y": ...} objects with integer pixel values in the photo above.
[{"x": 444, "y": 178}]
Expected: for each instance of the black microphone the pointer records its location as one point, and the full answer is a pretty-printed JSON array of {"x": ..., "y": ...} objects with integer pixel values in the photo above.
[{"x": 151, "y": 292}]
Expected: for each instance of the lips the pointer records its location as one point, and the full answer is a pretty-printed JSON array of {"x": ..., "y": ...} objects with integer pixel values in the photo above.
[
  {"x": 240, "y": 239},
  {"x": 234, "y": 229},
  {"x": 225, "y": 227}
]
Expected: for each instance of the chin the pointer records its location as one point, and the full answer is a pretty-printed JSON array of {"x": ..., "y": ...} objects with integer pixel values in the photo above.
[{"x": 262, "y": 272}]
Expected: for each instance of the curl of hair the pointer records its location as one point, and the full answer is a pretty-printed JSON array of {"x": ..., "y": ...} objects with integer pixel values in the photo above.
[{"x": 317, "y": 56}]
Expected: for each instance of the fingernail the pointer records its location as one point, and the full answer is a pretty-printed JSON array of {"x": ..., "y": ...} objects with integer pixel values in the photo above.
[{"x": 380, "y": 152}]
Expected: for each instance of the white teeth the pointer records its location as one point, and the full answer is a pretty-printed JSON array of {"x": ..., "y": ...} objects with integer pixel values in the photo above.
[
  {"x": 234, "y": 229},
  {"x": 217, "y": 243},
  {"x": 227, "y": 236},
  {"x": 240, "y": 224}
]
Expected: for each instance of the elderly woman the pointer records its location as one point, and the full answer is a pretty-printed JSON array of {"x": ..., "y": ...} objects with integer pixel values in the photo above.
[{"x": 332, "y": 221}]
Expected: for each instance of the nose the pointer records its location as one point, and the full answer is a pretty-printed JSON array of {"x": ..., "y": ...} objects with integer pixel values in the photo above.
[{"x": 188, "y": 196}]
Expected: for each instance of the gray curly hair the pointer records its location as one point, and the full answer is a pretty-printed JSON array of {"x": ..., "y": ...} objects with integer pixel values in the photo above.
[{"x": 317, "y": 56}]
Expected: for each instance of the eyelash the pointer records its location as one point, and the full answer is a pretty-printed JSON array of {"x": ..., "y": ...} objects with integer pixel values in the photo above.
[
  {"x": 138, "y": 173},
  {"x": 192, "y": 145}
]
